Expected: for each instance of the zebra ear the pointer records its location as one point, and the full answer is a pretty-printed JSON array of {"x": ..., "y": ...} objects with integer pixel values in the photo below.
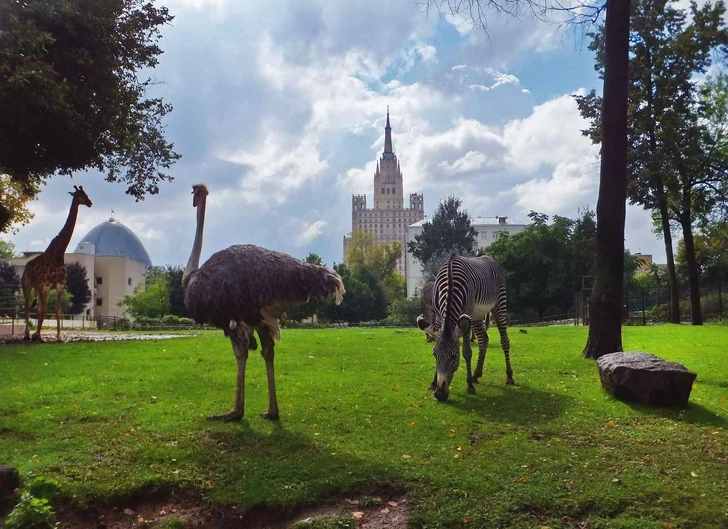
[
  {"x": 422, "y": 323},
  {"x": 464, "y": 324}
]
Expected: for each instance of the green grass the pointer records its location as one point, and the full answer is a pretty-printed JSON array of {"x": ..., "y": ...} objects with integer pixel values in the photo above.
[{"x": 355, "y": 411}]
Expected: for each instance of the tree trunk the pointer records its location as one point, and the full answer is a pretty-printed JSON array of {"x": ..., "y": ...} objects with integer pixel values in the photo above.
[
  {"x": 696, "y": 313},
  {"x": 605, "y": 325},
  {"x": 674, "y": 315}
]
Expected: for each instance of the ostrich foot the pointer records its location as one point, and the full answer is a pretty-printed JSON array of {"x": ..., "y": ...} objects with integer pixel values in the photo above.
[
  {"x": 509, "y": 381},
  {"x": 270, "y": 416},
  {"x": 233, "y": 416}
]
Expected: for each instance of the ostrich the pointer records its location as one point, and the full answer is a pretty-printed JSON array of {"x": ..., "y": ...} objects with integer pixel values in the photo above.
[{"x": 245, "y": 288}]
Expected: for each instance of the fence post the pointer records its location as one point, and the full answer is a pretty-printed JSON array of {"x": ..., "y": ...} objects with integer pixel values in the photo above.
[{"x": 644, "y": 318}]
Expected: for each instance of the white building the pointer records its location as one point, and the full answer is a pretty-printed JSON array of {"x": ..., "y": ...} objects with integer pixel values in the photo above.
[
  {"x": 488, "y": 228},
  {"x": 115, "y": 261}
]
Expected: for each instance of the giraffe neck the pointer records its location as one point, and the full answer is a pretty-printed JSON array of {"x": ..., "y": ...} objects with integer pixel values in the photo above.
[{"x": 58, "y": 245}]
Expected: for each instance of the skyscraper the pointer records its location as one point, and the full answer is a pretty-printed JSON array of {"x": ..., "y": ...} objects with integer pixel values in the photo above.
[{"x": 389, "y": 218}]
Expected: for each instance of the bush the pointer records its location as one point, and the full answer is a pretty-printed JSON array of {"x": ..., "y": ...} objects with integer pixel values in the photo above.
[
  {"x": 405, "y": 311},
  {"x": 170, "y": 319},
  {"x": 31, "y": 513}
]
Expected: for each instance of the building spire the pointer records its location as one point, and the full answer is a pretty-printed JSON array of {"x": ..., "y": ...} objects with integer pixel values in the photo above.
[{"x": 388, "y": 135}]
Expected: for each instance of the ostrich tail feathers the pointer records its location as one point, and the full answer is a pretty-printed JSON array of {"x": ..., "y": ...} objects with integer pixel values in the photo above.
[{"x": 339, "y": 290}]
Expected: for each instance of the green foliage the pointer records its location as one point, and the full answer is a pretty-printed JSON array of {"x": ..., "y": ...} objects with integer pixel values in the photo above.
[
  {"x": 77, "y": 287},
  {"x": 44, "y": 488},
  {"x": 353, "y": 403},
  {"x": 9, "y": 286},
  {"x": 176, "y": 291},
  {"x": 544, "y": 263},
  {"x": 77, "y": 99},
  {"x": 173, "y": 523},
  {"x": 711, "y": 253},
  {"x": 31, "y": 513},
  {"x": 150, "y": 300},
  {"x": 405, "y": 310},
  {"x": 171, "y": 319},
  {"x": 449, "y": 231},
  {"x": 365, "y": 298},
  {"x": 66, "y": 302},
  {"x": 7, "y": 249}
]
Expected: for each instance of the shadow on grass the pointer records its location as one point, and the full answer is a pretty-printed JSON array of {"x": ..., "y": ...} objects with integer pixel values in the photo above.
[
  {"x": 693, "y": 414},
  {"x": 519, "y": 404}
]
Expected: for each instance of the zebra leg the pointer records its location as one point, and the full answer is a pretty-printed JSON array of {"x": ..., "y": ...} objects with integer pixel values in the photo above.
[
  {"x": 433, "y": 386},
  {"x": 501, "y": 319},
  {"x": 468, "y": 355},
  {"x": 482, "y": 334}
]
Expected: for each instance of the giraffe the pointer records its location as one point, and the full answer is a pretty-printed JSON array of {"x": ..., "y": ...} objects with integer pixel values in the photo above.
[{"x": 48, "y": 270}]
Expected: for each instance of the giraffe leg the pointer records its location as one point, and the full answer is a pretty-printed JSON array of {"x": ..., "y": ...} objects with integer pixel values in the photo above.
[
  {"x": 27, "y": 292},
  {"x": 239, "y": 337},
  {"x": 482, "y": 334},
  {"x": 41, "y": 311},
  {"x": 501, "y": 319},
  {"x": 59, "y": 299},
  {"x": 468, "y": 356},
  {"x": 267, "y": 351}
]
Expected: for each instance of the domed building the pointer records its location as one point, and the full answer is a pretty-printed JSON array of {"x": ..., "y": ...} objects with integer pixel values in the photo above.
[
  {"x": 118, "y": 265},
  {"x": 115, "y": 261}
]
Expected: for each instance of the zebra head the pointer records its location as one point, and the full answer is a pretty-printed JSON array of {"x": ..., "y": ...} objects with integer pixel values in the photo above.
[{"x": 447, "y": 355}]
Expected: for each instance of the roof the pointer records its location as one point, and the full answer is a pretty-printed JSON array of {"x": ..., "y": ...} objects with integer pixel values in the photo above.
[
  {"x": 479, "y": 221},
  {"x": 112, "y": 239}
]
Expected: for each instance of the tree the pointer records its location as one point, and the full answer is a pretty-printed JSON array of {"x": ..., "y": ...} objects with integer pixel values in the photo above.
[
  {"x": 365, "y": 299},
  {"x": 151, "y": 298},
  {"x": 176, "y": 291},
  {"x": 667, "y": 52},
  {"x": 7, "y": 249},
  {"x": 711, "y": 253},
  {"x": 450, "y": 230},
  {"x": 379, "y": 259},
  {"x": 605, "y": 332},
  {"x": 14, "y": 202},
  {"x": 9, "y": 287},
  {"x": 73, "y": 92},
  {"x": 77, "y": 287}
]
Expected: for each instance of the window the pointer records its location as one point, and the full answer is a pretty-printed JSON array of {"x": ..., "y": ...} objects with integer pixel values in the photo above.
[
  {"x": 129, "y": 281},
  {"x": 382, "y": 190},
  {"x": 99, "y": 302},
  {"x": 99, "y": 280}
]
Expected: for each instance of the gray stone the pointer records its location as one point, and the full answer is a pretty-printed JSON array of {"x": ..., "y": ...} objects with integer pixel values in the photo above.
[
  {"x": 9, "y": 480},
  {"x": 645, "y": 378}
]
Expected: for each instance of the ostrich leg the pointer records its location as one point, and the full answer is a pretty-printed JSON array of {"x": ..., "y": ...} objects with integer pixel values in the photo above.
[
  {"x": 267, "y": 351},
  {"x": 239, "y": 336}
]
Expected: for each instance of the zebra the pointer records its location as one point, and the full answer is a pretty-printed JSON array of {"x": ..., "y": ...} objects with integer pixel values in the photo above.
[
  {"x": 426, "y": 300},
  {"x": 466, "y": 290}
]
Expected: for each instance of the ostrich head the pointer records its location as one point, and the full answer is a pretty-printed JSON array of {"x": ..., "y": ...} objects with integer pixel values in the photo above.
[{"x": 200, "y": 192}]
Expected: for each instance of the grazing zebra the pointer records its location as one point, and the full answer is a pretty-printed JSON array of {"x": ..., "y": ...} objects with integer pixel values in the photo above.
[
  {"x": 466, "y": 290},
  {"x": 426, "y": 301}
]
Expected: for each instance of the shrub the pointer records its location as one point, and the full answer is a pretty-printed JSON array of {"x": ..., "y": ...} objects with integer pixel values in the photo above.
[
  {"x": 170, "y": 319},
  {"x": 31, "y": 513}
]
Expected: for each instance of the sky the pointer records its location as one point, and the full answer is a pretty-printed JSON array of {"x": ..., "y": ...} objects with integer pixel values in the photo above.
[{"x": 280, "y": 106}]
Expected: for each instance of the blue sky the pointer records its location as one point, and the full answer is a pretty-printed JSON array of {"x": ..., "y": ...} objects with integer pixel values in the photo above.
[{"x": 279, "y": 107}]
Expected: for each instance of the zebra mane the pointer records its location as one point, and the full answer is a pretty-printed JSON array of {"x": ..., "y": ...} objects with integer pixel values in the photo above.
[{"x": 446, "y": 327}]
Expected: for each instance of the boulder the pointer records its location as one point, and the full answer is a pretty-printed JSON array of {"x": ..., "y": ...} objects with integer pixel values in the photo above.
[{"x": 645, "y": 378}]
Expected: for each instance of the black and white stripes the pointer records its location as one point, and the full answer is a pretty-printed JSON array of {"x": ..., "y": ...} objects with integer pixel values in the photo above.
[{"x": 466, "y": 290}]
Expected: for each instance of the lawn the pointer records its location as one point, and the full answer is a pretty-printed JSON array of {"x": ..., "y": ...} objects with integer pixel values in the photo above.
[{"x": 112, "y": 421}]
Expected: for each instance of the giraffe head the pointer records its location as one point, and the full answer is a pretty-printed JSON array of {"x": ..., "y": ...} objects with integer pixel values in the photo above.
[
  {"x": 80, "y": 196},
  {"x": 199, "y": 191}
]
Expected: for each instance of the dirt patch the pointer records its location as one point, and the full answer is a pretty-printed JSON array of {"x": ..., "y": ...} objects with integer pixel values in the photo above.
[
  {"x": 377, "y": 509},
  {"x": 79, "y": 336}
]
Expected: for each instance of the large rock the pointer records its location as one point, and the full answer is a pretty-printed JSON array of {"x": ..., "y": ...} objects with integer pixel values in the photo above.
[{"x": 645, "y": 378}]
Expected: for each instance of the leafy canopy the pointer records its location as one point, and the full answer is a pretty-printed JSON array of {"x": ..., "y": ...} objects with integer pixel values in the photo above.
[{"x": 73, "y": 92}]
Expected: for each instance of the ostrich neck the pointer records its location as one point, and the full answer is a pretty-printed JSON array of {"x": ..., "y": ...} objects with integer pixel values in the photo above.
[{"x": 194, "y": 261}]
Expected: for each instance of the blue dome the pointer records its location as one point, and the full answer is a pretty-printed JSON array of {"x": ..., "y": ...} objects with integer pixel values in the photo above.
[{"x": 112, "y": 239}]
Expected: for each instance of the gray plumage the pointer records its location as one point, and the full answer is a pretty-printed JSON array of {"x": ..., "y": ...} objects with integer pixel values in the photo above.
[
  {"x": 246, "y": 288},
  {"x": 251, "y": 284}
]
